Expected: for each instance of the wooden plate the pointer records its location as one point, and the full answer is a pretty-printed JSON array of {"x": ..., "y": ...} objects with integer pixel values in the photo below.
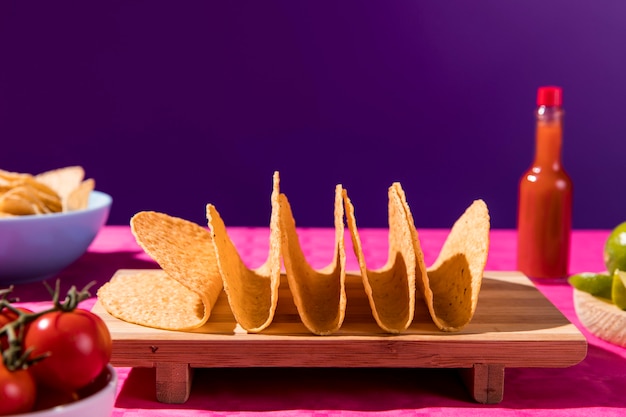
[
  {"x": 514, "y": 326},
  {"x": 601, "y": 317}
]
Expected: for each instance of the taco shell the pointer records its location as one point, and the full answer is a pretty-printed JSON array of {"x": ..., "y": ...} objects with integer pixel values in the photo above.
[
  {"x": 391, "y": 288},
  {"x": 319, "y": 295},
  {"x": 181, "y": 296},
  {"x": 252, "y": 293},
  {"x": 453, "y": 281}
]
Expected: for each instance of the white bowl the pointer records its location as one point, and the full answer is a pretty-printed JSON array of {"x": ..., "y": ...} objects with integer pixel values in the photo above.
[
  {"x": 37, "y": 247},
  {"x": 97, "y": 404},
  {"x": 601, "y": 317}
]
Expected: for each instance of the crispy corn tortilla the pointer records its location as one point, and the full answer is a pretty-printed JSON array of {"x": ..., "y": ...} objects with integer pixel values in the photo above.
[
  {"x": 7, "y": 177},
  {"x": 420, "y": 267},
  {"x": 152, "y": 298},
  {"x": 391, "y": 288},
  {"x": 63, "y": 181},
  {"x": 78, "y": 198},
  {"x": 196, "y": 264},
  {"x": 53, "y": 191},
  {"x": 19, "y": 201},
  {"x": 453, "y": 281},
  {"x": 319, "y": 295},
  {"x": 22, "y": 194},
  {"x": 185, "y": 252},
  {"x": 252, "y": 293}
]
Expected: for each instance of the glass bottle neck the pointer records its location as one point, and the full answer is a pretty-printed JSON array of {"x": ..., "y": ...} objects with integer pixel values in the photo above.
[{"x": 549, "y": 137}]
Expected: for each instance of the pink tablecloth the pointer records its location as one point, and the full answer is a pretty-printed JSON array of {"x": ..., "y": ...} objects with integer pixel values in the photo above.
[{"x": 596, "y": 386}]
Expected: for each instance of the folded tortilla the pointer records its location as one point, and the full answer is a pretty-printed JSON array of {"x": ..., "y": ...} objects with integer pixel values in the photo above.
[
  {"x": 319, "y": 295},
  {"x": 181, "y": 296},
  {"x": 453, "y": 281},
  {"x": 391, "y": 288},
  {"x": 252, "y": 293}
]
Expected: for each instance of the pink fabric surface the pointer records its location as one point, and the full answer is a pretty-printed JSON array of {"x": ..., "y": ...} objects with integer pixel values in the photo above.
[{"x": 596, "y": 386}]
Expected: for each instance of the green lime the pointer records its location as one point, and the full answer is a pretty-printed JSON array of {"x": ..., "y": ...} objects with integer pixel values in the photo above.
[
  {"x": 618, "y": 294},
  {"x": 595, "y": 284},
  {"x": 615, "y": 249}
]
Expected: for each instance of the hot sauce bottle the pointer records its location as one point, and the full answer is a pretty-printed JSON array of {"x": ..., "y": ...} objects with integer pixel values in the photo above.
[{"x": 544, "y": 217}]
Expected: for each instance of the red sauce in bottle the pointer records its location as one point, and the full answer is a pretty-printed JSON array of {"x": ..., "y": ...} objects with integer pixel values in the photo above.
[{"x": 544, "y": 218}]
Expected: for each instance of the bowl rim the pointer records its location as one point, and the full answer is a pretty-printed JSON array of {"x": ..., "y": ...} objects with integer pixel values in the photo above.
[{"x": 98, "y": 200}]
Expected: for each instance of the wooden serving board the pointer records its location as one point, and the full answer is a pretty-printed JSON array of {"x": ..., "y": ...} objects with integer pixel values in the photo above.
[{"x": 514, "y": 326}]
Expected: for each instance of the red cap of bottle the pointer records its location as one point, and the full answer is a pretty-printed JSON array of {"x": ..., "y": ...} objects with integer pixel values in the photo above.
[{"x": 550, "y": 96}]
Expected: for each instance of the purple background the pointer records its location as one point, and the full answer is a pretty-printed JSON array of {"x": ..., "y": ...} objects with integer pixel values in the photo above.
[{"x": 170, "y": 105}]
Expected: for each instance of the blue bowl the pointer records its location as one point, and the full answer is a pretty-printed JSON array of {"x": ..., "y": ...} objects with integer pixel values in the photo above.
[{"x": 37, "y": 247}]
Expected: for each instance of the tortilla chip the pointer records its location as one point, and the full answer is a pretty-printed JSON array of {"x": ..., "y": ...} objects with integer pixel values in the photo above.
[
  {"x": 19, "y": 201},
  {"x": 185, "y": 251},
  {"x": 78, "y": 198},
  {"x": 391, "y": 288},
  {"x": 453, "y": 281},
  {"x": 63, "y": 181},
  {"x": 49, "y": 192},
  {"x": 319, "y": 295},
  {"x": 26, "y": 188},
  {"x": 252, "y": 293},
  {"x": 7, "y": 177}
]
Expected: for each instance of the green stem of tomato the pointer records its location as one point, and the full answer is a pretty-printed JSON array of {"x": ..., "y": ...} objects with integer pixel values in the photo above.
[{"x": 14, "y": 357}]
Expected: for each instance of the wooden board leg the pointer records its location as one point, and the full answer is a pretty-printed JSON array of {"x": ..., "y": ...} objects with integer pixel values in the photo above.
[
  {"x": 485, "y": 382},
  {"x": 173, "y": 382}
]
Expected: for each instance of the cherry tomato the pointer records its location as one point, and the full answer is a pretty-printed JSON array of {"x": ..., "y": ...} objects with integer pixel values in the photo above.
[
  {"x": 17, "y": 391},
  {"x": 78, "y": 345},
  {"x": 48, "y": 397},
  {"x": 96, "y": 385},
  {"x": 7, "y": 316}
]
